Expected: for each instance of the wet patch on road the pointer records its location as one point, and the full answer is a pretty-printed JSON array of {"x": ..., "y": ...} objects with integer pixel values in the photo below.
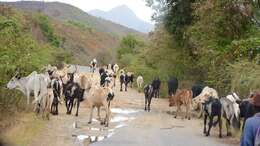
[{"x": 86, "y": 134}]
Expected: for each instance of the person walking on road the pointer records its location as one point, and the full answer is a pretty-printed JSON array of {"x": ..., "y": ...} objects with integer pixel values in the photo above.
[{"x": 251, "y": 133}]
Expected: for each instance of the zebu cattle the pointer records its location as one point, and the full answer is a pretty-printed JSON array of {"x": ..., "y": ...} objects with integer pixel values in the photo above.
[
  {"x": 148, "y": 93},
  {"x": 33, "y": 83},
  {"x": 196, "y": 90},
  {"x": 122, "y": 80},
  {"x": 130, "y": 77},
  {"x": 115, "y": 68},
  {"x": 139, "y": 81},
  {"x": 182, "y": 97},
  {"x": 72, "y": 91},
  {"x": 93, "y": 65},
  {"x": 212, "y": 108},
  {"x": 100, "y": 97},
  {"x": 231, "y": 111},
  {"x": 156, "y": 83},
  {"x": 204, "y": 96},
  {"x": 172, "y": 86},
  {"x": 57, "y": 92}
]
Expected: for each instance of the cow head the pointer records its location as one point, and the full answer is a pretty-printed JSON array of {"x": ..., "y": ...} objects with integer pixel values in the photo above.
[{"x": 14, "y": 82}]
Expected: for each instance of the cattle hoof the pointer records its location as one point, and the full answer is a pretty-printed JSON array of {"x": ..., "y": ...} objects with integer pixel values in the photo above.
[
  {"x": 102, "y": 123},
  {"x": 89, "y": 122},
  {"x": 207, "y": 134},
  {"x": 220, "y": 136},
  {"x": 189, "y": 118},
  {"x": 175, "y": 117},
  {"x": 76, "y": 115}
]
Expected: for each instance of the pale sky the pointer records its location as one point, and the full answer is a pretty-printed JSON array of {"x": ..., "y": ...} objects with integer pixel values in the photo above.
[{"x": 138, "y": 6}]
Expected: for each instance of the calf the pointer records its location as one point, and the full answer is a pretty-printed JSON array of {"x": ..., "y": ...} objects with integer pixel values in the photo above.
[
  {"x": 56, "y": 87},
  {"x": 130, "y": 76},
  {"x": 212, "y": 108},
  {"x": 156, "y": 83},
  {"x": 182, "y": 97},
  {"x": 172, "y": 86},
  {"x": 139, "y": 82},
  {"x": 127, "y": 81},
  {"x": 72, "y": 91},
  {"x": 148, "y": 93},
  {"x": 100, "y": 97},
  {"x": 122, "y": 81}
]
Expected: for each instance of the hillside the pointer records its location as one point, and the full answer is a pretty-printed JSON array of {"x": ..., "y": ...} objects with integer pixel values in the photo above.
[
  {"x": 65, "y": 12},
  {"x": 125, "y": 16}
]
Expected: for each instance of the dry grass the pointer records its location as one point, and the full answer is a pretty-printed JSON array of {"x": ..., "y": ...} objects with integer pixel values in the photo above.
[{"x": 27, "y": 126}]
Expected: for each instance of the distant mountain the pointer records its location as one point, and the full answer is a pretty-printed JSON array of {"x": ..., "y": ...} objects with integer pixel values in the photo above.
[
  {"x": 65, "y": 12},
  {"x": 124, "y": 16}
]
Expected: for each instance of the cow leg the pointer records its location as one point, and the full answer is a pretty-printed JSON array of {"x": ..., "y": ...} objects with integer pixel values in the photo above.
[
  {"x": 149, "y": 103},
  {"x": 158, "y": 93},
  {"x": 78, "y": 102},
  {"x": 107, "y": 116},
  {"x": 71, "y": 105},
  {"x": 57, "y": 109},
  {"x": 177, "y": 111},
  {"x": 205, "y": 124},
  {"x": 125, "y": 87},
  {"x": 210, "y": 125},
  {"x": 121, "y": 86},
  {"x": 145, "y": 103},
  {"x": 91, "y": 114},
  {"x": 228, "y": 127},
  {"x": 220, "y": 126},
  {"x": 188, "y": 111},
  {"x": 98, "y": 113}
]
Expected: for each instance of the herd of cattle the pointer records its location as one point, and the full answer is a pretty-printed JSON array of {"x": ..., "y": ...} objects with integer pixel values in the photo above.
[
  {"x": 206, "y": 100},
  {"x": 54, "y": 86}
]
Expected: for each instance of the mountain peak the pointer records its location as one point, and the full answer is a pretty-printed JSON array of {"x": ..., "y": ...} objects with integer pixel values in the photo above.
[{"x": 123, "y": 15}]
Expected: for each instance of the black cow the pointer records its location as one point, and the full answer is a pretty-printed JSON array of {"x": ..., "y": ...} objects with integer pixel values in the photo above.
[
  {"x": 131, "y": 80},
  {"x": 148, "y": 92},
  {"x": 196, "y": 90},
  {"x": 127, "y": 81},
  {"x": 122, "y": 81},
  {"x": 72, "y": 91},
  {"x": 57, "y": 95},
  {"x": 172, "y": 86},
  {"x": 156, "y": 83},
  {"x": 103, "y": 79},
  {"x": 246, "y": 110},
  {"x": 101, "y": 70},
  {"x": 212, "y": 108}
]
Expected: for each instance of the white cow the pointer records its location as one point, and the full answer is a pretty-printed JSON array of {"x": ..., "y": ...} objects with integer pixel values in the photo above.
[
  {"x": 139, "y": 82},
  {"x": 34, "y": 83},
  {"x": 206, "y": 93}
]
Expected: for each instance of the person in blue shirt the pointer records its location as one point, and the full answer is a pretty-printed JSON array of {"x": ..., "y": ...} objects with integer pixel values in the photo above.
[{"x": 251, "y": 133}]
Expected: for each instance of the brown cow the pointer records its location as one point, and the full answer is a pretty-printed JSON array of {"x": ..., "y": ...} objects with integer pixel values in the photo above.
[{"x": 182, "y": 97}]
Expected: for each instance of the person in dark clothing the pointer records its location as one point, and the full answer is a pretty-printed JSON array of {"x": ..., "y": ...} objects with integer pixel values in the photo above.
[{"x": 251, "y": 133}]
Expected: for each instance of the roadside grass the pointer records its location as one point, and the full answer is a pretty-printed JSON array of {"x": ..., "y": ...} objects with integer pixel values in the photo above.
[{"x": 27, "y": 126}]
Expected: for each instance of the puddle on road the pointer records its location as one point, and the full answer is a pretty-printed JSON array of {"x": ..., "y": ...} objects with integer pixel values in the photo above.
[
  {"x": 88, "y": 134},
  {"x": 123, "y": 111}
]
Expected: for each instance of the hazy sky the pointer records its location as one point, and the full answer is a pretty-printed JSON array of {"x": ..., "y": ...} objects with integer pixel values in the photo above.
[{"x": 138, "y": 6}]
